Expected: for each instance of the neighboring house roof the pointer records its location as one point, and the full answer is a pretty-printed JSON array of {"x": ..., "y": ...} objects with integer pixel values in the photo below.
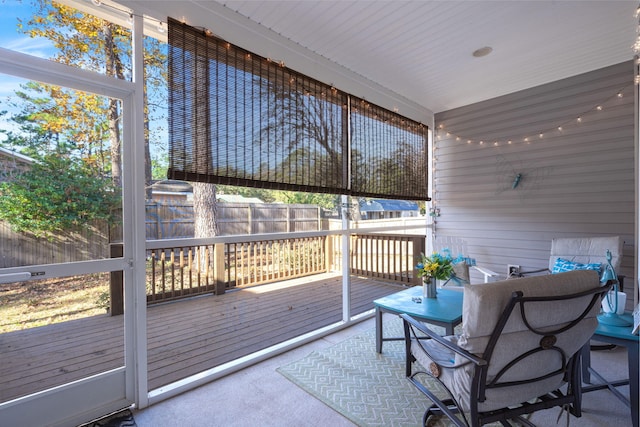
[
  {"x": 384, "y": 205},
  {"x": 235, "y": 198},
  {"x": 15, "y": 155},
  {"x": 171, "y": 186}
]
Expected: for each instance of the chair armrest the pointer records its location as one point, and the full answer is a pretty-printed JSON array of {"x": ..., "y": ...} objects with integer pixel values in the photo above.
[{"x": 410, "y": 322}]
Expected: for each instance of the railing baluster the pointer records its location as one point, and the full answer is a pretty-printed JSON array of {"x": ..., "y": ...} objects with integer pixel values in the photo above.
[
  {"x": 172, "y": 272},
  {"x": 153, "y": 275},
  {"x": 189, "y": 267},
  {"x": 183, "y": 288},
  {"x": 243, "y": 269},
  {"x": 163, "y": 257},
  {"x": 207, "y": 267}
]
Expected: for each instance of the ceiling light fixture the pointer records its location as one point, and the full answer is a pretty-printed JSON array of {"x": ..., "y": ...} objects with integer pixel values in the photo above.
[{"x": 483, "y": 51}]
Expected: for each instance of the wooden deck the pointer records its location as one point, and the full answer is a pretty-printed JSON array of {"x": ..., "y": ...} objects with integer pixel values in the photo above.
[{"x": 184, "y": 337}]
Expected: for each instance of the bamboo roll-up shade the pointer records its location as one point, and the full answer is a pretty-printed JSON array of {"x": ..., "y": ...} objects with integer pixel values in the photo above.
[{"x": 237, "y": 118}]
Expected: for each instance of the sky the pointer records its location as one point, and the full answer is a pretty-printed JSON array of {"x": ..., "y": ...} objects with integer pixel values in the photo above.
[{"x": 11, "y": 38}]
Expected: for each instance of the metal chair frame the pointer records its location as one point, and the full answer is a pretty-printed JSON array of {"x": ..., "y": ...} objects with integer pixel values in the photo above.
[{"x": 571, "y": 399}]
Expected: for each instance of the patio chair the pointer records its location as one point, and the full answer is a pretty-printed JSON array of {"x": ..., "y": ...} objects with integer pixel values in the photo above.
[
  {"x": 580, "y": 252},
  {"x": 519, "y": 351},
  {"x": 577, "y": 253}
]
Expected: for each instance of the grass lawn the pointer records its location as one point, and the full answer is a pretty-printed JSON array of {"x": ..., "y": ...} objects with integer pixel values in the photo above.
[{"x": 35, "y": 303}]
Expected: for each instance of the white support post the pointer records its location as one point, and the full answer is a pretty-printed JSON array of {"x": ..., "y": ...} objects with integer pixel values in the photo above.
[
  {"x": 134, "y": 188},
  {"x": 346, "y": 261}
]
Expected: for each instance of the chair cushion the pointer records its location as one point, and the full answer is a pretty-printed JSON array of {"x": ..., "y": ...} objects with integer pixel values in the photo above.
[
  {"x": 587, "y": 250},
  {"x": 482, "y": 308},
  {"x": 436, "y": 353},
  {"x": 563, "y": 265}
]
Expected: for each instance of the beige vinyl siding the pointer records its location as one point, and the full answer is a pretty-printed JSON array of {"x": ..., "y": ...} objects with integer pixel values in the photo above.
[{"x": 575, "y": 182}]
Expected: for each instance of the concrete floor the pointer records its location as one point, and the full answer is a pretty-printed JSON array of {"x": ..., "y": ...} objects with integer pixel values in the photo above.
[
  {"x": 260, "y": 396},
  {"x": 255, "y": 396}
]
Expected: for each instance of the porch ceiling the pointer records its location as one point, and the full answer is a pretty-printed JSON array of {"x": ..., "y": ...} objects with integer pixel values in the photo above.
[{"x": 422, "y": 50}]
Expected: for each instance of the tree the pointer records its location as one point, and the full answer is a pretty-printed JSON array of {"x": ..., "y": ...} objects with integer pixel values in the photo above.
[
  {"x": 327, "y": 201},
  {"x": 95, "y": 44},
  {"x": 33, "y": 202},
  {"x": 83, "y": 127},
  {"x": 62, "y": 121},
  {"x": 309, "y": 128}
]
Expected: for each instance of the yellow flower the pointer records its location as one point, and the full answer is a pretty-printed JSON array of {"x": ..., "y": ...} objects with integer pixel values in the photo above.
[{"x": 437, "y": 266}]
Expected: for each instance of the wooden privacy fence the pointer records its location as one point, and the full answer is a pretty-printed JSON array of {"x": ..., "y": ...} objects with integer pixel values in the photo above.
[
  {"x": 175, "y": 221},
  {"x": 180, "y": 270},
  {"x": 92, "y": 241},
  {"x": 84, "y": 243},
  {"x": 163, "y": 221}
]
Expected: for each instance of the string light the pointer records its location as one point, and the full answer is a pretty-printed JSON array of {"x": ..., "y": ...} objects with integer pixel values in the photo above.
[{"x": 442, "y": 134}]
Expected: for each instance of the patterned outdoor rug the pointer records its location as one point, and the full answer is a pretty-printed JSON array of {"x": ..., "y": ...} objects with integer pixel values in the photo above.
[{"x": 369, "y": 389}]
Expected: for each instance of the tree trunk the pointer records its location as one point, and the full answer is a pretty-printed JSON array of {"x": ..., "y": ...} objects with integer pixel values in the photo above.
[
  {"x": 205, "y": 225},
  {"x": 148, "y": 179},
  {"x": 114, "y": 69},
  {"x": 204, "y": 209}
]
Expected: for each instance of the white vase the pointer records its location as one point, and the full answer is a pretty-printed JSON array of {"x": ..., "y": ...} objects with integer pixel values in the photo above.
[{"x": 609, "y": 301}]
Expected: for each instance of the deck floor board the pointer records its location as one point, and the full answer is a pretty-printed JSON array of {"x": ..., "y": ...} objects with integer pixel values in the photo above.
[{"x": 184, "y": 337}]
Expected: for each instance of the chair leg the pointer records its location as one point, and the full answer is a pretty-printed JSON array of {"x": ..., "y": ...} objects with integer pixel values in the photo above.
[{"x": 435, "y": 410}]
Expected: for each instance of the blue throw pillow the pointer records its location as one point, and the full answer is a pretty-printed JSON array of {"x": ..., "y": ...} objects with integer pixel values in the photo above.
[{"x": 563, "y": 265}]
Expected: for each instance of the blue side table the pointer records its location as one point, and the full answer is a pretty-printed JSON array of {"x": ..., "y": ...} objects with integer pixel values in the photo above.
[
  {"x": 445, "y": 310},
  {"x": 622, "y": 336}
]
